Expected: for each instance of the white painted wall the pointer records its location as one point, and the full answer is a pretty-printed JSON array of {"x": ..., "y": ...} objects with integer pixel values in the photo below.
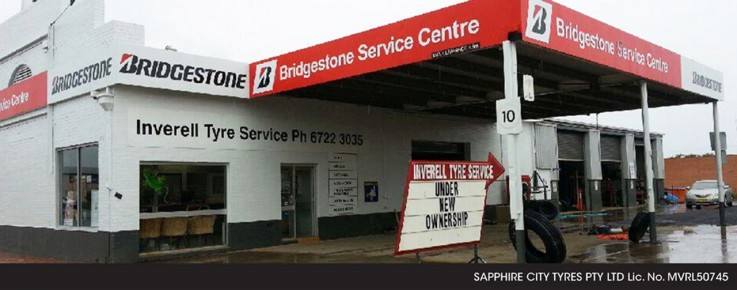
[
  {"x": 26, "y": 184},
  {"x": 253, "y": 167}
]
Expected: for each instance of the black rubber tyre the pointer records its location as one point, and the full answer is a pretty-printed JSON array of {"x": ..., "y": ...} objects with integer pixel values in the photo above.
[
  {"x": 544, "y": 207},
  {"x": 639, "y": 227},
  {"x": 689, "y": 206},
  {"x": 548, "y": 209},
  {"x": 565, "y": 206},
  {"x": 730, "y": 204},
  {"x": 555, "y": 246}
]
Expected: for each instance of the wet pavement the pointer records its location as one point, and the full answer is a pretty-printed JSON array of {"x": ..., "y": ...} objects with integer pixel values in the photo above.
[
  {"x": 679, "y": 244},
  {"x": 687, "y": 236},
  {"x": 699, "y": 244}
]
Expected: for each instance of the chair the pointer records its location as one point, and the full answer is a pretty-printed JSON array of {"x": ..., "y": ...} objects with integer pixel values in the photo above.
[
  {"x": 150, "y": 229},
  {"x": 174, "y": 228},
  {"x": 201, "y": 225}
]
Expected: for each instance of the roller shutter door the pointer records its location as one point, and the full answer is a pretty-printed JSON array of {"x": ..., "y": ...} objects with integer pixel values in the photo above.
[
  {"x": 611, "y": 148},
  {"x": 546, "y": 147},
  {"x": 570, "y": 146}
]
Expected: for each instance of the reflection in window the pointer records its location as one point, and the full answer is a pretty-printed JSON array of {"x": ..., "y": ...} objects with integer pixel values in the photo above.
[
  {"x": 173, "y": 188},
  {"x": 79, "y": 186},
  {"x": 182, "y": 207}
]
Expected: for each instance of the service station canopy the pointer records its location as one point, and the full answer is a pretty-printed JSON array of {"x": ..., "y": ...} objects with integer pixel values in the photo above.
[{"x": 450, "y": 62}]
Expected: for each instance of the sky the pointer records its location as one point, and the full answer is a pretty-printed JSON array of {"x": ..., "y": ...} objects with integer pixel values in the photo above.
[{"x": 246, "y": 31}]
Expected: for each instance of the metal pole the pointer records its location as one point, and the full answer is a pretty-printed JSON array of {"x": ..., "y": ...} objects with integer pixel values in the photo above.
[
  {"x": 648, "y": 162},
  {"x": 516, "y": 206},
  {"x": 720, "y": 174}
]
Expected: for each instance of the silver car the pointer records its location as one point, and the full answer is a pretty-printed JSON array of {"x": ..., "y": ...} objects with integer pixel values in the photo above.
[{"x": 705, "y": 192}]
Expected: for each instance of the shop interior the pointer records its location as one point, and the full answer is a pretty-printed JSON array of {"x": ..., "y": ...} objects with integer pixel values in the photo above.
[
  {"x": 611, "y": 185},
  {"x": 572, "y": 185},
  {"x": 182, "y": 206}
]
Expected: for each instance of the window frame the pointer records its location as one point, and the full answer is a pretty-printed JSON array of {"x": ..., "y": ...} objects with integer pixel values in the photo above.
[{"x": 59, "y": 187}]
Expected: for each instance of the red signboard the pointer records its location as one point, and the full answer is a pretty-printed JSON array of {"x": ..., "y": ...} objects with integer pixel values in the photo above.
[
  {"x": 26, "y": 96},
  {"x": 461, "y": 28},
  {"x": 479, "y": 24},
  {"x": 551, "y": 25},
  {"x": 444, "y": 204}
]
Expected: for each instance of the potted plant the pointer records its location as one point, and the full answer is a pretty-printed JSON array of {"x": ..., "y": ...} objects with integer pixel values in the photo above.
[{"x": 152, "y": 180}]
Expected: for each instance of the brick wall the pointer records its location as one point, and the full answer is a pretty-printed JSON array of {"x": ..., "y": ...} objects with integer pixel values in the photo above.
[{"x": 682, "y": 172}]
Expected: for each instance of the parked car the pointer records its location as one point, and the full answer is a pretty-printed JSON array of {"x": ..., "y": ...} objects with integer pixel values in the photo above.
[{"x": 705, "y": 192}]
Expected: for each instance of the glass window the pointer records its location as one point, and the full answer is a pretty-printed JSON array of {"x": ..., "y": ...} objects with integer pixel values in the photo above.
[
  {"x": 182, "y": 206},
  {"x": 79, "y": 186},
  {"x": 705, "y": 185},
  {"x": 174, "y": 188}
]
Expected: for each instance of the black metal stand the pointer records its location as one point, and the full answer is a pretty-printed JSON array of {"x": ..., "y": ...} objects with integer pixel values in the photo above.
[
  {"x": 476, "y": 258},
  {"x": 521, "y": 247}
]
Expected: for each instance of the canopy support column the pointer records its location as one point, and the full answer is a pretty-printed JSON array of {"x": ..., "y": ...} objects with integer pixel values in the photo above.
[
  {"x": 516, "y": 202},
  {"x": 720, "y": 175},
  {"x": 648, "y": 162}
]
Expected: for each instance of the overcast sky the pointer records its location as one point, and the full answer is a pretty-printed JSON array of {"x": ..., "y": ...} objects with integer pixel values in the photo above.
[{"x": 253, "y": 30}]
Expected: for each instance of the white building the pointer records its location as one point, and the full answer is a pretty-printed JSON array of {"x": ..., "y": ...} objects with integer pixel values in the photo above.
[{"x": 114, "y": 150}]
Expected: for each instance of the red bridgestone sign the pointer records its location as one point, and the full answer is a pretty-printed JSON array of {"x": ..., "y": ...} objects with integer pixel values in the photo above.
[
  {"x": 457, "y": 29},
  {"x": 481, "y": 24},
  {"x": 24, "y": 97},
  {"x": 444, "y": 204}
]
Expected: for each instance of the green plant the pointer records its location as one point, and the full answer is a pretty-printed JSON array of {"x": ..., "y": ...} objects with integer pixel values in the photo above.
[{"x": 155, "y": 182}]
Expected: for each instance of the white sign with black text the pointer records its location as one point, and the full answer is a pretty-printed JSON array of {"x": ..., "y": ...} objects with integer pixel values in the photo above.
[
  {"x": 343, "y": 180},
  {"x": 444, "y": 204}
]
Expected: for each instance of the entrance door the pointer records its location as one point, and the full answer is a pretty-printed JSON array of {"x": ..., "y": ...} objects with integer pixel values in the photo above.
[{"x": 298, "y": 199}]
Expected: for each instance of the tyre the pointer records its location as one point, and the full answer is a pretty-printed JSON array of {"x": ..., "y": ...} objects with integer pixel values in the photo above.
[
  {"x": 555, "y": 246},
  {"x": 546, "y": 208},
  {"x": 730, "y": 204},
  {"x": 689, "y": 206},
  {"x": 565, "y": 206},
  {"x": 639, "y": 227}
]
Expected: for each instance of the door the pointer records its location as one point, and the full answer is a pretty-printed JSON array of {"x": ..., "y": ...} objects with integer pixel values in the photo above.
[{"x": 298, "y": 199}]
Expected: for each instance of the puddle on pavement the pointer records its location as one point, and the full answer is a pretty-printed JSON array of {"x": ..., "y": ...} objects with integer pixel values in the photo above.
[{"x": 699, "y": 244}]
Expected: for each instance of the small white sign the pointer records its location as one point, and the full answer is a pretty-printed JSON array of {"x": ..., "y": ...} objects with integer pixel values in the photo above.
[
  {"x": 509, "y": 116},
  {"x": 343, "y": 175},
  {"x": 340, "y": 157},
  {"x": 343, "y": 183},
  {"x": 342, "y": 166},
  {"x": 349, "y": 191},
  {"x": 528, "y": 88},
  {"x": 342, "y": 209},
  {"x": 343, "y": 200},
  {"x": 633, "y": 170}
]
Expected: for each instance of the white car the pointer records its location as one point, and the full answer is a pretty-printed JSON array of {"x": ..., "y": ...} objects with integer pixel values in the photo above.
[{"x": 705, "y": 192}]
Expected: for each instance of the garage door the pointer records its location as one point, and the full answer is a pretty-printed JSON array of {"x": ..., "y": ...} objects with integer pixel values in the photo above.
[
  {"x": 546, "y": 147},
  {"x": 570, "y": 146},
  {"x": 611, "y": 148}
]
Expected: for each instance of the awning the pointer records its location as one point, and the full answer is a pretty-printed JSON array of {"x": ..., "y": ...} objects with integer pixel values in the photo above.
[{"x": 449, "y": 62}]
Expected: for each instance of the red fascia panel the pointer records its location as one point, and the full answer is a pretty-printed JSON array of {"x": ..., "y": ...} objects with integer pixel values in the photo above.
[
  {"x": 24, "y": 97},
  {"x": 472, "y": 25},
  {"x": 557, "y": 27}
]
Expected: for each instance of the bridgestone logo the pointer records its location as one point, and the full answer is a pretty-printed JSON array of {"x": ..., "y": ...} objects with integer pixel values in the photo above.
[
  {"x": 132, "y": 64},
  {"x": 539, "y": 20},
  {"x": 82, "y": 76},
  {"x": 706, "y": 82}
]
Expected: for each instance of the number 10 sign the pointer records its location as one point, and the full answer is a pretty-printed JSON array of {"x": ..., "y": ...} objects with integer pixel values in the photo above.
[{"x": 509, "y": 116}]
